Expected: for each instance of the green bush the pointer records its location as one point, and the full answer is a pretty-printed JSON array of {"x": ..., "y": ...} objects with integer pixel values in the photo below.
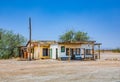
[
  {"x": 117, "y": 50},
  {"x": 9, "y": 43}
]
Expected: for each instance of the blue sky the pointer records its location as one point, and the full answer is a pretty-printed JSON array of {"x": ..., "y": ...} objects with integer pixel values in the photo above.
[{"x": 51, "y": 18}]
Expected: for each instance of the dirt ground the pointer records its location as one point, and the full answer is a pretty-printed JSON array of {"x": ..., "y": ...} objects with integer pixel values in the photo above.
[{"x": 107, "y": 69}]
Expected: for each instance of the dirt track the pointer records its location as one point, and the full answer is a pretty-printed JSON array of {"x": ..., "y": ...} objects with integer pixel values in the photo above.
[{"x": 105, "y": 70}]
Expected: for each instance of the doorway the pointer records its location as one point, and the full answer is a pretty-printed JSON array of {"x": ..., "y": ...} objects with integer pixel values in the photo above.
[
  {"x": 72, "y": 54},
  {"x": 56, "y": 53}
]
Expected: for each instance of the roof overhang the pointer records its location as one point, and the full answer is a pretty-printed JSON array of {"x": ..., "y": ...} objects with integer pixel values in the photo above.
[
  {"x": 42, "y": 43},
  {"x": 77, "y": 42},
  {"x": 98, "y": 44}
]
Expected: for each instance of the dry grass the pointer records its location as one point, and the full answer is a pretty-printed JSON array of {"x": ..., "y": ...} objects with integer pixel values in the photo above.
[{"x": 103, "y": 70}]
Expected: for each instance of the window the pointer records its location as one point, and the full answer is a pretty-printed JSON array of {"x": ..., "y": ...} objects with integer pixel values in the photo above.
[
  {"x": 62, "y": 48},
  {"x": 78, "y": 51},
  {"x": 74, "y": 51},
  {"x": 45, "y": 51},
  {"x": 88, "y": 51},
  {"x": 67, "y": 51}
]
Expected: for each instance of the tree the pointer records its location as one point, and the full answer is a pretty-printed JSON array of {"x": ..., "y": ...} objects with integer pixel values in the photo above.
[
  {"x": 68, "y": 36},
  {"x": 74, "y": 36},
  {"x": 81, "y": 36},
  {"x": 9, "y": 43}
]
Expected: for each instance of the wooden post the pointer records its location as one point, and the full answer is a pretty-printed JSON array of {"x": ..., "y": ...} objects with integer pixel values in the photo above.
[
  {"x": 84, "y": 52},
  {"x": 93, "y": 51},
  {"x": 99, "y": 51},
  {"x": 69, "y": 55}
]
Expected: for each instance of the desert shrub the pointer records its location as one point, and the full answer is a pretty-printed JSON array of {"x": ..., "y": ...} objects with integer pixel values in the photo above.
[{"x": 117, "y": 50}]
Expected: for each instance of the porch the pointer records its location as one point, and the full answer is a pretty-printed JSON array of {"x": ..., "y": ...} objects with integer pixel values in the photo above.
[{"x": 80, "y": 51}]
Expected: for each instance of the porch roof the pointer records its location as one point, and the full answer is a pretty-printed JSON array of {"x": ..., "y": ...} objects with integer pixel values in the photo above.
[
  {"x": 48, "y": 42},
  {"x": 98, "y": 44},
  {"x": 78, "y": 42},
  {"x": 41, "y": 42}
]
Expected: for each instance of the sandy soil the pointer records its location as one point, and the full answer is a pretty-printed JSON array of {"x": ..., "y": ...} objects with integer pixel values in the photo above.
[{"x": 107, "y": 69}]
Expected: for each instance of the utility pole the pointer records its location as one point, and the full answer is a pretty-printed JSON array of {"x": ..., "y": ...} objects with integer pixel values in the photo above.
[{"x": 30, "y": 39}]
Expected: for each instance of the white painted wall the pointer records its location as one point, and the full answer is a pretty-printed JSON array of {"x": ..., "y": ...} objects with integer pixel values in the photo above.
[
  {"x": 63, "y": 54},
  {"x": 86, "y": 46},
  {"x": 53, "y": 47}
]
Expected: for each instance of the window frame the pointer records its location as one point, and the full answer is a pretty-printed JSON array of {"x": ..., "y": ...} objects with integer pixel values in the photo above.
[
  {"x": 77, "y": 51},
  {"x": 62, "y": 48},
  {"x": 45, "y": 52},
  {"x": 88, "y": 51}
]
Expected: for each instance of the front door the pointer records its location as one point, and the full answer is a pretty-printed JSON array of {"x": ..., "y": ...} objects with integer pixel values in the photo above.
[{"x": 51, "y": 53}]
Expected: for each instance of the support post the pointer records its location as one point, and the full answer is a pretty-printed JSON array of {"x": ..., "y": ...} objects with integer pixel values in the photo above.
[
  {"x": 69, "y": 55},
  {"x": 93, "y": 51},
  {"x": 84, "y": 53},
  {"x": 99, "y": 51}
]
